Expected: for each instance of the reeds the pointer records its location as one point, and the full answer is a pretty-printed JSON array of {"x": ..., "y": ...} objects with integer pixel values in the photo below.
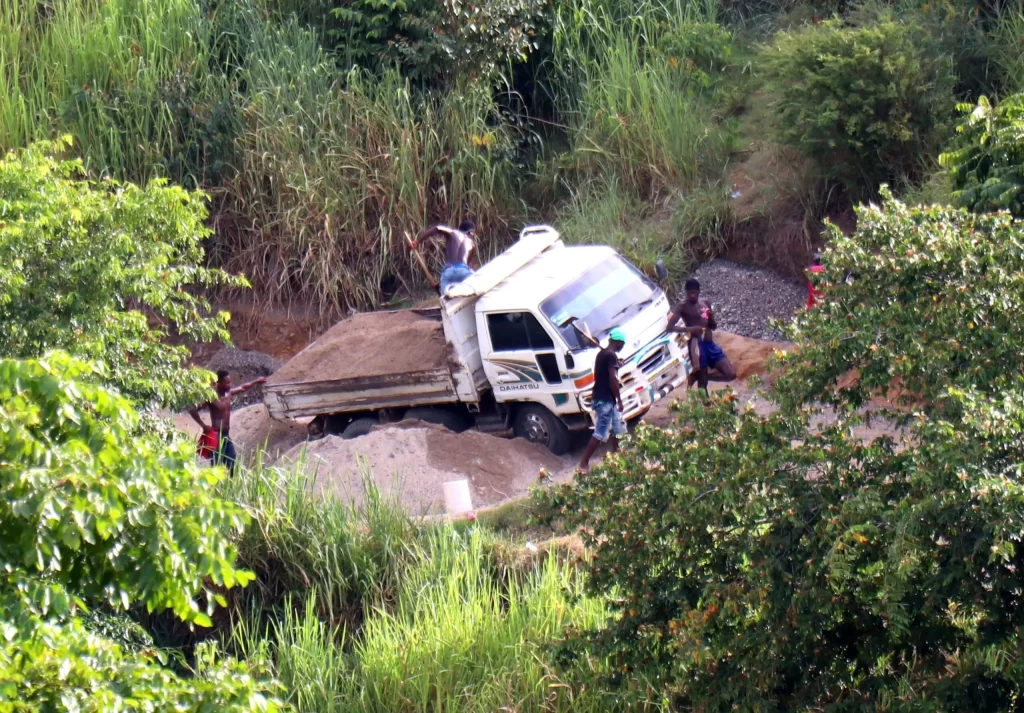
[
  {"x": 333, "y": 172},
  {"x": 101, "y": 71}
]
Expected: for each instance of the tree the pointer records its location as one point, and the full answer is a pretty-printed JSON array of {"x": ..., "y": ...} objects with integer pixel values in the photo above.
[
  {"x": 93, "y": 514},
  {"x": 104, "y": 270},
  {"x": 759, "y": 563},
  {"x": 987, "y": 162}
]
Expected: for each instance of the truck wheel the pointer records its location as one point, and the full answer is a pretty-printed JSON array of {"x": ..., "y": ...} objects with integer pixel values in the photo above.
[
  {"x": 538, "y": 425},
  {"x": 451, "y": 420},
  {"x": 359, "y": 427}
]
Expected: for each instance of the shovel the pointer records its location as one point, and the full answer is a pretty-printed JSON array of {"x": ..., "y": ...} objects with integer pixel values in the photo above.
[{"x": 423, "y": 263}]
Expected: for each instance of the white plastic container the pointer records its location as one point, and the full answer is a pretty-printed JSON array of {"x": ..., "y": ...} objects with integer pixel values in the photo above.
[{"x": 457, "y": 500}]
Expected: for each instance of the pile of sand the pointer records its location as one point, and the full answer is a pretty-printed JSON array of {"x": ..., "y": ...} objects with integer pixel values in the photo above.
[
  {"x": 369, "y": 344},
  {"x": 254, "y": 430},
  {"x": 748, "y": 356},
  {"x": 413, "y": 463}
]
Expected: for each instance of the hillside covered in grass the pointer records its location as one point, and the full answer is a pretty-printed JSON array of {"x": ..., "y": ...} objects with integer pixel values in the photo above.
[{"x": 324, "y": 131}]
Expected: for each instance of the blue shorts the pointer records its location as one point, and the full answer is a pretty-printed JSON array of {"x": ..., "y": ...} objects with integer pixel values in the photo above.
[
  {"x": 710, "y": 354},
  {"x": 608, "y": 419},
  {"x": 453, "y": 275}
]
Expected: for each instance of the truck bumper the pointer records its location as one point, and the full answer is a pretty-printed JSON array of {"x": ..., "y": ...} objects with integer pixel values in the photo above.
[{"x": 642, "y": 389}]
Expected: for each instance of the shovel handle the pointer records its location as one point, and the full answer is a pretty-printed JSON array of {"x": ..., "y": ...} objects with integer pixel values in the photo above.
[{"x": 419, "y": 258}]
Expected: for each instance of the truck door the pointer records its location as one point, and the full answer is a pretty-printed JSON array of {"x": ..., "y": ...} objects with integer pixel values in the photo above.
[{"x": 522, "y": 362}]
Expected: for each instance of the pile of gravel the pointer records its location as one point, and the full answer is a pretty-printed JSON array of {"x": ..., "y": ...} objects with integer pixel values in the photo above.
[
  {"x": 745, "y": 298},
  {"x": 244, "y": 366}
]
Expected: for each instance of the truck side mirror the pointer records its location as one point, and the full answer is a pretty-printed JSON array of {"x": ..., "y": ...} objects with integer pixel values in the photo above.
[
  {"x": 570, "y": 363},
  {"x": 660, "y": 270}
]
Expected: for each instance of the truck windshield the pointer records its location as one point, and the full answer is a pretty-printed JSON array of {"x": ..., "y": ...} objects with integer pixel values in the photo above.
[{"x": 601, "y": 298}]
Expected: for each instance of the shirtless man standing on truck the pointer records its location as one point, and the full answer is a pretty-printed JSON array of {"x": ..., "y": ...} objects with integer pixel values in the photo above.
[
  {"x": 699, "y": 323},
  {"x": 458, "y": 245},
  {"x": 220, "y": 417}
]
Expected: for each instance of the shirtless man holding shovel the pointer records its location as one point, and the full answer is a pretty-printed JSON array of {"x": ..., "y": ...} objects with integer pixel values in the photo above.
[{"x": 458, "y": 246}]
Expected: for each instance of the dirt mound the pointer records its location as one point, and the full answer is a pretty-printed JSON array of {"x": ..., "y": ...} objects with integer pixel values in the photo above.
[
  {"x": 497, "y": 468},
  {"x": 369, "y": 344},
  {"x": 414, "y": 463},
  {"x": 748, "y": 356},
  {"x": 253, "y": 430},
  {"x": 244, "y": 366}
]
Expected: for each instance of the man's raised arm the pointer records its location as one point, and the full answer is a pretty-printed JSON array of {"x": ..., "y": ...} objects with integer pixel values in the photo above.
[
  {"x": 431, "y": 232},
  {"x": 245, "y": 387}
]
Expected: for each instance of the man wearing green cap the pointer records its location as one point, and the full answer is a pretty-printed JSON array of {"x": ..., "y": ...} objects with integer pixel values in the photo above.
[{"x": 605, "y": 398}]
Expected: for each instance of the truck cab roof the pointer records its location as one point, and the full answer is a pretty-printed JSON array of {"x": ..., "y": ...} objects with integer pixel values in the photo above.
[
  {"x": 543, "y": 276},
  {"x": 538, "y": 264}
]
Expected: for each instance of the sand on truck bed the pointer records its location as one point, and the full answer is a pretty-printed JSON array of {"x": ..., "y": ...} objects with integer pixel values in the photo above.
[
  {"x": 369, "y": 344},
  {"x": 411, "y": 464}
]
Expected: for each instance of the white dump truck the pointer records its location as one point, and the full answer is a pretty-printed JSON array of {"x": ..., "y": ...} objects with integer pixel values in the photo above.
[{"x": 509, "y": 350}]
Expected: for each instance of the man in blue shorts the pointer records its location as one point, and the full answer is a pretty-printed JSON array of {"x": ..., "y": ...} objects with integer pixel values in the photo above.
[
  {"x": 458, "y": 246},
  {"x": 606, "y": 399},
  {"x": 699, "y": 323}
]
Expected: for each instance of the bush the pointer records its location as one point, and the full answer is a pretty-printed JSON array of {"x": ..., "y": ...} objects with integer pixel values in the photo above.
[
  {"x": 85, "y": 266},
  {"x": 987, "y": 164},
  {"x": 95, "y": 514},
  {"x": 759, "y": 563},
  {"x": 439, "y": 42},
  {"x": 867, "y": 103}
]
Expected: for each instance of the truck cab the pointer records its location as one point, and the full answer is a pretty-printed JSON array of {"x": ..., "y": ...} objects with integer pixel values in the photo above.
[{"x": 535, "y": 331}]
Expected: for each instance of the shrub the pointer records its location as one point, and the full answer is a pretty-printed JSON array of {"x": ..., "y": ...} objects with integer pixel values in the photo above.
[
  {"x": 94, "y": 513},
  {"x": 867, "y": 103},
  {"x": 759, "y": 563},
  {"x": 987, "y": 164},
  {"x": 84, "y": 266},
  {"x": 439, "y": 41}
]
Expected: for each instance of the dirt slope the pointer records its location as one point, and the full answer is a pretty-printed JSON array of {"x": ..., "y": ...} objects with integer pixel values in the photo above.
[{"x": 411, "y": 464}]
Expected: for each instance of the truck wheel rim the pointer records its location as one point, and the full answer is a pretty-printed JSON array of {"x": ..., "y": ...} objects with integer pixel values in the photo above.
[{"x": 536, "y": 429}]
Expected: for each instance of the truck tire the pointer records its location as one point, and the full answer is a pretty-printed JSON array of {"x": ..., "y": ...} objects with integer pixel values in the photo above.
[
  {"x": 452, "y": 420},
  {"x": 359, "y": 427},
  {"x": 538, "y": 425}
]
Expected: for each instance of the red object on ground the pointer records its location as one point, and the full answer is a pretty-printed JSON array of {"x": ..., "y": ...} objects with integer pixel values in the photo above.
[
  {"x": 208, "y": 443},
  {"x": 812, "y": 294}
]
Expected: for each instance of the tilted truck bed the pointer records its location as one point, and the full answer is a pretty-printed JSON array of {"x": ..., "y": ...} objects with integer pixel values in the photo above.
[{"x": 370, "y": 361}]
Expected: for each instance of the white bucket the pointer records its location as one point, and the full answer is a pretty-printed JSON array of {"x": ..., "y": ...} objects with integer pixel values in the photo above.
[{"x": 456, "y": 497}]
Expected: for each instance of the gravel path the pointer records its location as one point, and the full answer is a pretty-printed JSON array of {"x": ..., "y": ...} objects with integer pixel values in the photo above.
[{"x": 746, "y": 298}]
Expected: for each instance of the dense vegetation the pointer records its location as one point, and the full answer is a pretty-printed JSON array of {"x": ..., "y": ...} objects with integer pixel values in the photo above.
[
  {"x": 738, "y": 561},
  {"x": 325, "y": 130},
  {"x": 760, "y": 562}
]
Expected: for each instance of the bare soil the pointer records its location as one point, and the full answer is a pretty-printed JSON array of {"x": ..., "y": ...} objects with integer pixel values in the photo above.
[
  {"x": 369, "y": 344},
  {"x": 411, "y": 462}
]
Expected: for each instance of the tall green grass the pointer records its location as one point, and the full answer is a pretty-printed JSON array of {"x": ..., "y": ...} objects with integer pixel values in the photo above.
[
  {"x": 632, "y": 112},
  {"x": 302, "y": 541},
  {"x": 316, "y": 172},
  {"x": 335, "y": 169},
  {"x": 104, "y": 71},
  {"x": 361, "y": 609},
  {"x": 461, "y": 635}
]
